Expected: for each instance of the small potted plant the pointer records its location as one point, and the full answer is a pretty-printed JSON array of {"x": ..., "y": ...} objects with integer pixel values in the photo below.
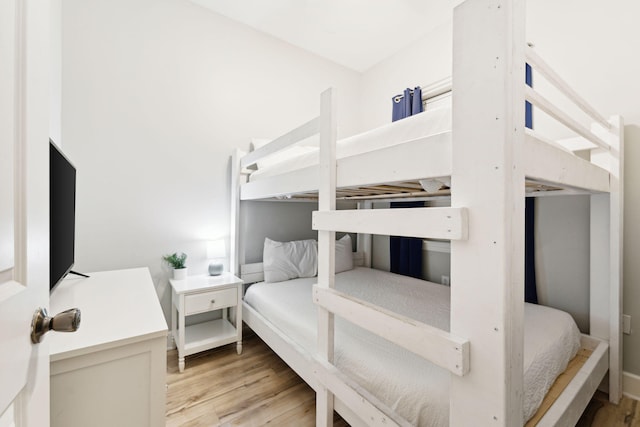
[{"x": 177, "y": 262}]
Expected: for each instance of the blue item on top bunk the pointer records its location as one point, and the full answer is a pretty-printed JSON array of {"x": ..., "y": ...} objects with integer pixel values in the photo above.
[
  {"x": 407, "y": 104},
  {"x": 416, "y": 101},
  {"x": 405, "y": 253}
]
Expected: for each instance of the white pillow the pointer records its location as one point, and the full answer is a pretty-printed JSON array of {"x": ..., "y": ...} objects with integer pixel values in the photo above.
[
  {"x": 344, "y": 254},
  {"x": 288, "y": 260}
]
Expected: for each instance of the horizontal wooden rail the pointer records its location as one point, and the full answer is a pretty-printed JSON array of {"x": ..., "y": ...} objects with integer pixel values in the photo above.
[
  {"x": 437, "y": 88},
  {"x": 304, "y": 131},
  {"x": 368, "y": 407},
  {"x": 547, "y": 164},
  {"x": 541, "y": 66},
  {"x": 545, "y": 105},
  {"x": 435, "y": 223},
  {"x": 433, "y": 344}
]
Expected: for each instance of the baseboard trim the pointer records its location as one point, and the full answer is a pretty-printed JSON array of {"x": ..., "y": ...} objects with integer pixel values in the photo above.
[{"x": 631, "y": 385}]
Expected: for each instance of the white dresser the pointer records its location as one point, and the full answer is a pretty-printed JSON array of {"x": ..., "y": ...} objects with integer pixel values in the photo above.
[{"x": 112, "y": 371}]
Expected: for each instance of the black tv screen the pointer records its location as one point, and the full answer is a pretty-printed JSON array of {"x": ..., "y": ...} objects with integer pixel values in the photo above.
[{"x": 62, "y": 215}]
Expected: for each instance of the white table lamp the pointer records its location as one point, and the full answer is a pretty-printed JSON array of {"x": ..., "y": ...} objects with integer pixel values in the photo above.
[{"x": 215, "y": 252}]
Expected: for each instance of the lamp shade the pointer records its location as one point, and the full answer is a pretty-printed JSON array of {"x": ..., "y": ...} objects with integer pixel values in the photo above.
[{"x": 216, "y": 249}]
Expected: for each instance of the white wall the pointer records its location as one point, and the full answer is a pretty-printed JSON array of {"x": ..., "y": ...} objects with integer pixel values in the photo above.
[
  {"x": 156, "y": 95},
  {"x": 593, "y": 45},
  {"x": 419, "y": 64},
  {"x": 55, "y": 75}
]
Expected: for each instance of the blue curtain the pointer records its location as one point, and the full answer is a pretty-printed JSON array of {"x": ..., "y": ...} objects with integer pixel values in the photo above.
[
  {"x": 407, "y": 103},
  {"x": 405, "y": 253},
  {"x": 530, "y": 291}
]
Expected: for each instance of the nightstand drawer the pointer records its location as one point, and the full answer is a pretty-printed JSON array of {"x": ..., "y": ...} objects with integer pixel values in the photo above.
[{"x": 210, "y": 300}]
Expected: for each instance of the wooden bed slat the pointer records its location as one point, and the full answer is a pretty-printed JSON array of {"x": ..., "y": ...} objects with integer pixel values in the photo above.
[
  {"x": 435, "y": 223},
  {"x": 432, "y": 344}
]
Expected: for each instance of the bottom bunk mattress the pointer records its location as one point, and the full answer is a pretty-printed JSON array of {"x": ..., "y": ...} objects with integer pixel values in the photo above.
[{"x": 411, "y": 386}]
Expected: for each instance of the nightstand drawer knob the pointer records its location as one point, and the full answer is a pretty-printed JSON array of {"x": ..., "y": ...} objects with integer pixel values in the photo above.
[{"x": 213, "y": 301}]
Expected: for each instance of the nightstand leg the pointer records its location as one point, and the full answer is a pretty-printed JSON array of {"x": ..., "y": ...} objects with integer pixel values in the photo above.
[
  {"x": 181, "y": 332},
  {"x": 174, "y": 324},
  {"x": 239, "y": 347}
]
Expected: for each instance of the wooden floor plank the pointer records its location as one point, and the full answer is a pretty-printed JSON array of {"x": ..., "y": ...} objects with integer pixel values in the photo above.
[
  {"x": 221, "y": 388},
  {"x": 602, "y": 413}
]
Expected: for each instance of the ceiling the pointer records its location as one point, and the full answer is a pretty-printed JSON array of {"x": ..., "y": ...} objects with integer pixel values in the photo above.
[{"x": 355, "y": 33}]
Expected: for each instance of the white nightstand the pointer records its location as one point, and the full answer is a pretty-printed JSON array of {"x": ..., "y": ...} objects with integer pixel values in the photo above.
[{"x": 200, "y": 294}]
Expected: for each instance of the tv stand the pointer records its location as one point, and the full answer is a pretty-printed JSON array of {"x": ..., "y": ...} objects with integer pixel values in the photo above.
[{"x": 77, "y": 274}]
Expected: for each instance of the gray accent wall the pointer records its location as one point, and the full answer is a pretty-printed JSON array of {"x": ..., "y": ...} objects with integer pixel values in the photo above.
[
  {"x": 631, "y": 270},
  {"x": 281, "y": 221},
  {"x": 562, "y": 255}
]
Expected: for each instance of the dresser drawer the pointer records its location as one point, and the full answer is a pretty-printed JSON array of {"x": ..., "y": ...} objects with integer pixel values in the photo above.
[{"x": 210, "y": 300}]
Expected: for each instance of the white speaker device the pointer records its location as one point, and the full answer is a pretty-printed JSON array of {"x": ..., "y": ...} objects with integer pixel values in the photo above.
[{"x": 216, "y": 253}]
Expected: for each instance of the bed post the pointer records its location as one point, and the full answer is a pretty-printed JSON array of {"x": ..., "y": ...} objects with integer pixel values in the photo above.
[
  {"x": 487, "y": 270},
  {"x": 234, "y": 217},
  {"x": 606, "y": 236},
  {"x": 326, "y": 247},
  {"x": 364, "y": 239}
]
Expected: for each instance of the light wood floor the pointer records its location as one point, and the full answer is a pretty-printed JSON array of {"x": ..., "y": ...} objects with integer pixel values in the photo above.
[{"x": 220, "y": 388}]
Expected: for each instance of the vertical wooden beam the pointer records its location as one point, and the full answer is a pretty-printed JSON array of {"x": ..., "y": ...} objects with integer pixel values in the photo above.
[
  {"x": 607, "y": 226},
  {"x": 365, "y": 239},
  {"x": 326, "y": 246},
  {"x": 487, "y": 300},
  {"x": 234, "y": 217},
  {"x": 616, "y": 224},
  {"x": 599, "y": 286}
]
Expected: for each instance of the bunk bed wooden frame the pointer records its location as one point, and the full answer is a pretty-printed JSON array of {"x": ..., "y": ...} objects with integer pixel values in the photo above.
[{"x": 489, "y": 156}]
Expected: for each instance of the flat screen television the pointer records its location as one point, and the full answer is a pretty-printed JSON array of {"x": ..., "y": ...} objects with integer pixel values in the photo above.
[{"x": 62, "y": 215}]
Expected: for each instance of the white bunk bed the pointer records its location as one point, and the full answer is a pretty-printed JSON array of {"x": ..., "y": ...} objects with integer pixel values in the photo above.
[{"x": 489, "y": 158}]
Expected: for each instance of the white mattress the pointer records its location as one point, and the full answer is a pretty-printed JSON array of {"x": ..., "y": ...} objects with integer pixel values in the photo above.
[
  {"x": 413, "y": 387},
  {"x": 427, "y": 123}
]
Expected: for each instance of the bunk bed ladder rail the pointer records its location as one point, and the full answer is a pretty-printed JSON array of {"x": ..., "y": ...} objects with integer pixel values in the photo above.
[
  {"x": 599, "y": 136},
  {"x": 433, "y": 344}
]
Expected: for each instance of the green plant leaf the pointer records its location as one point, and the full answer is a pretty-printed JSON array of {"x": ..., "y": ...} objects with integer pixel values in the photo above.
[{"x": 176, "y": 261}]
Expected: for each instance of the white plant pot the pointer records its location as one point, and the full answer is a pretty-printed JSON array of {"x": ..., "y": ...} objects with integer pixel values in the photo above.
[{"x": 180, "y": 273}]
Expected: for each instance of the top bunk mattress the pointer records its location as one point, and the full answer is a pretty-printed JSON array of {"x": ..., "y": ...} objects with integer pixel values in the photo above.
[
  {"x": 412, "y": 157},
  {"x": 433, "y": 121},
  {"x": 408, "y": 384}
]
